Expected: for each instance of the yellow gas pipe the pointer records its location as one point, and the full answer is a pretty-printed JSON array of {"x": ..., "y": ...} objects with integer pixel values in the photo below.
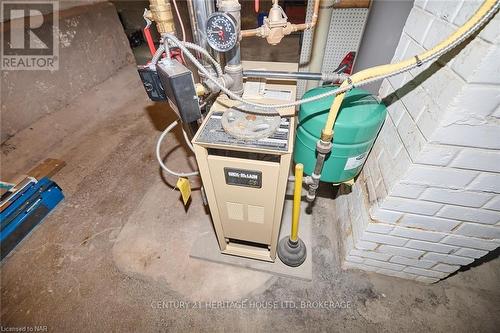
[
  {"x": 327, "y": 132},
  {"x": 297, "y": 195},
  {"x": 292, "y": 250}
]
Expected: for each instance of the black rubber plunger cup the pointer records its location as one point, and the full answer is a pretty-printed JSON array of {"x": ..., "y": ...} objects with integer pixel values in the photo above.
[{"x": 292, "y": 253}]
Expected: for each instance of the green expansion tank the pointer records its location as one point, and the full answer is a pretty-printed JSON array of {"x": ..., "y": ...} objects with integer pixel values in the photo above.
[{"x": 355, "y": 130}]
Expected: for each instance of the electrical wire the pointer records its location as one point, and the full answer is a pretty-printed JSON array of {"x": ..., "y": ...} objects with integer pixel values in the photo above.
[
  {"x": 339, "y": 90},
  {"x": 161, "y": 49},
  {"x": 203, "y": 51},
  {"x": 182, "y": 27},
  {"x": 180, "y": 20},
  {"x": 186, "y": 139},
  {"x": 158, "y": 152}
]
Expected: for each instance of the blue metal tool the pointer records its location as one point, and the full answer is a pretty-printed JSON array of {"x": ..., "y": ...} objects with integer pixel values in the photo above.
[{"x": 24, "y": 208}]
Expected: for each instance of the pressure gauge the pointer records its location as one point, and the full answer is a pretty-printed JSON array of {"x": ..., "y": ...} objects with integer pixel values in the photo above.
[{"x": 222, "y": 33}]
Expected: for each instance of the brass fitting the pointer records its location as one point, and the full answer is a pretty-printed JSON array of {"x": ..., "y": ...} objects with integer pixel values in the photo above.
[
  {"x": 200, "y": 89},
  {"x": 161, "y": 13},
  {"x": 326, "y": 137}
]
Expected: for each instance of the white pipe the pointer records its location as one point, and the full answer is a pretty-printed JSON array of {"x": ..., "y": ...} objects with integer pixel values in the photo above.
[{"x": 320, "y": 38}]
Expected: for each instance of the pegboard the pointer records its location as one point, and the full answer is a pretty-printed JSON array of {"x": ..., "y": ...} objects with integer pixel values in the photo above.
[
  {"x": 346, "y": 30},
  {"x": 305, "y": 52}
]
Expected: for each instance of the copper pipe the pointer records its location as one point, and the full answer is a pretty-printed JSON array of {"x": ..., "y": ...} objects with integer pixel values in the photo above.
[
  {"x": 250, "y": 32},
  {"x": 314, "y": 19},
  {"x": 353, "y": 4}
]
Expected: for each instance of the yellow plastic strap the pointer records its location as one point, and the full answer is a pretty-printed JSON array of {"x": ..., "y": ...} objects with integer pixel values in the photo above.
[{"x": 185, "y": 188}]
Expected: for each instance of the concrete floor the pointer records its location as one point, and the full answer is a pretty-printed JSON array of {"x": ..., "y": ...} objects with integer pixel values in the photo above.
[{"x": 70, "y": 276}]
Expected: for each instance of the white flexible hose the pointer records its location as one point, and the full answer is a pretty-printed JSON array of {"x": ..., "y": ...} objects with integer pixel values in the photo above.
[
  {"x": 337, "y": 91},
  {"x": 158, "y": 153},
  {"x": 186, "y": 139}
]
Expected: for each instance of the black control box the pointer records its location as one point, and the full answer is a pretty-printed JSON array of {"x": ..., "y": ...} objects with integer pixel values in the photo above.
[
  {"x": 178, "y": 82},
  {"x": 152, "y": 83}
]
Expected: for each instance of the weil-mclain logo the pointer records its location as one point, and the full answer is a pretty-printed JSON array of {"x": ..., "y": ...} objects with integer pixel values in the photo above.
[{"x": 30, "y": 35}]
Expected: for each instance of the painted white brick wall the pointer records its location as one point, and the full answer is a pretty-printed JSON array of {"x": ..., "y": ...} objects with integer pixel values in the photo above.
[{"x": 429, "y": 195}]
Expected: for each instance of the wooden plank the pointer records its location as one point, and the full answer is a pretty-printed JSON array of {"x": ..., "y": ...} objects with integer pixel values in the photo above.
[
  {"x": 353, "y": 4},
  {"x": 47, "y": 168}
]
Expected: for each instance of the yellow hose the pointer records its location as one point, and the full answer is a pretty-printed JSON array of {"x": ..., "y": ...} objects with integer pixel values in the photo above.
[
  {"x": 297, "y": 194},
  {"x": 369, "y": 73}
]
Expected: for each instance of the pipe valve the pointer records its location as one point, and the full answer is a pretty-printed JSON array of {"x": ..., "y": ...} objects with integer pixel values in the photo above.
[
  {"x": 276, "y": 25},
  {"x": 161, "y": 13}
]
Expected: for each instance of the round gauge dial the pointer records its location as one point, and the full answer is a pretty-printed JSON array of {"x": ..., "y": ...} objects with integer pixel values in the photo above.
[{"x": 222, "y": 34}]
